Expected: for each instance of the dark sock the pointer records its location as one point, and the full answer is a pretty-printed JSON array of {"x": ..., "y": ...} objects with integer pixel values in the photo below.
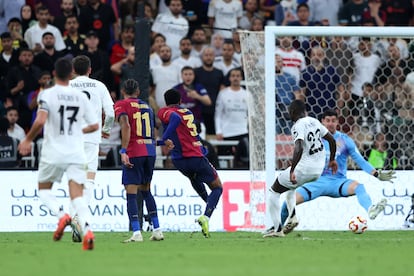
[
  {"x": 200, "y": 188},
  {"x": 151, "y": 208},
  {"x": 212, "y": 201},
  {"x": 132, "y": 209}
]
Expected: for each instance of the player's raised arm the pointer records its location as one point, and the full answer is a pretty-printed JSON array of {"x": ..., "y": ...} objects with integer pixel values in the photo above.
[{"x": 332, "y": 148}]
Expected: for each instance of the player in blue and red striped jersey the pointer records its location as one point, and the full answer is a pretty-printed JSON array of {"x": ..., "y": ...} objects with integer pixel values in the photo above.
[
  {"x": 137, "y": 121},
  {"x": 188, "y": 153}
]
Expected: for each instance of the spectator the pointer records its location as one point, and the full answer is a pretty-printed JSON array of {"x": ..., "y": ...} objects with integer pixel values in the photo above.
[
  {"x": 79, "y": 4},
  {"x": 319, "y": 11},
  {"x": 285, "y": 12},
  {"x": 198, "y": 41},
  {"x": 302, "y": 13},
  {"x": 21, "y": 80},
  {"x": 124, "y": 69},
  {"x": 293, "y": 60},
  {"x": 165, "y": 76},
  {"x": 33, "y": 35},
  {"x": 8, "y": 10},
  {"x": 192, "y": 11},
  {"x": 101, "y": 68},
  {"x": 14, "y": 130},
  {"x": 99, "y": 17},
  {"x": 398, "y": 12},
  {"x": 350, "y": 13},
  {"x": 173, "y": 26},
  {"x": 52, "y": 5},
  {"x": 217, "y": 41},
  {"x": 46, "y": 59},
  {"x": 237, "y": 47},
  {"x": 366, "y": 64},
  {"x": 224, "y": 16},
  {"x": 74, "y": 41},
  {"x": 267, "y": 7},
  {"x": 15, "y": 28},
  {"x": 287, "y": 90},
  {"x": 156, "y": 43},
  {"x": 231, "y": 115},
  {"x": 394, "y": 69},
  {"x": 9, "y": 156},
  {"x": 379, "y": 155},
  {"x": 319, "y": 83},
  {"x": 193, "y": 95},
  {"x": 257, "y": 24},
  {"x": 68, "y": 8},
  {"x": 9, "y": 57},
  {"x": 226, "y": 61},
  {"x": 28, "y": 18},
  {"x": 45, "y": 81},
  {"x": 373, "y": 16},
  {"x": 212, "y": 79},
  {"x": 120, "y": 49},
  {"x": 250, "y": 11},
  {"x": 186, "y": 59}
]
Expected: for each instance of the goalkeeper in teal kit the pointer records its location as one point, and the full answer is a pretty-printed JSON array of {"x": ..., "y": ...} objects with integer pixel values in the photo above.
[{"x": 338, "y": 185}]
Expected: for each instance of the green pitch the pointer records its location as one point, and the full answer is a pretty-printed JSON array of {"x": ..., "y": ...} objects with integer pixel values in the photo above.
[{"x": 240, "y": 253}]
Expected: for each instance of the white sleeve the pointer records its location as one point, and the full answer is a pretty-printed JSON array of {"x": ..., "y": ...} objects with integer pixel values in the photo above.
[
  {"x": 108, "y": 107},
  {"x": 298, "y": 132},
  {"x": 219, "y": 113}
]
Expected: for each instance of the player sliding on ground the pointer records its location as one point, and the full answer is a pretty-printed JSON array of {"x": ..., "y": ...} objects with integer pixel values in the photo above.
[
  {"x": 307, "y": 164},
  {"x": 188, "y": 154},
  {"x": 338, "y": 185}
]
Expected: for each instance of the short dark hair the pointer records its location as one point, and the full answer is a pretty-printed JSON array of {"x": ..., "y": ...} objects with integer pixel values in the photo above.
[
  {"x": 328, "y": 113},
  {"x": 13, "y": 107},
  {"x": 5, "y": 35},
  {"x": 4, "y": 125},
  {"x": 185, "y": 68},
  {"x": 130, "y": 86},
  {"x": 172, "y": 96},
  {"x": 296, "y": 107},
  {"x": 47, "y": 33},
  {"x": 81, "y": 64},
  {"x": 63, "y": 68}
]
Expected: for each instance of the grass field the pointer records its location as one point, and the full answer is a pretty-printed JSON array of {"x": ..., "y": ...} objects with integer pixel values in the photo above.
[{"x": 238, "y": 253}]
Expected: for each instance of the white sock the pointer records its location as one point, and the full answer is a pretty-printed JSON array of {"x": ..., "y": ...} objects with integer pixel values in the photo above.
[
  {"x": 137, "y": 232},
  {"x": 88, "y": 190},
  {"x": 290, "y": 201},
  {"x": 81, "y": 208},
  {"x": 274, "y": 208},
  {"x": 49, "y": 199}
]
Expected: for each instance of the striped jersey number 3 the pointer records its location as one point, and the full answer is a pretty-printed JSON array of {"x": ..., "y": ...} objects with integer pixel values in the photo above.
[
  {"x": 143, "y": 124},
  {"x": 189, "y": 118}
]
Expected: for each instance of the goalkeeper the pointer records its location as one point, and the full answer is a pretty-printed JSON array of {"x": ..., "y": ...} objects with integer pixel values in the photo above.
[{"x": 338, "y": 185}]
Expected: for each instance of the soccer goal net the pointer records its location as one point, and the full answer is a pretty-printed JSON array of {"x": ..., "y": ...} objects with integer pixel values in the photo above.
[{"x": 364, "y": 73}]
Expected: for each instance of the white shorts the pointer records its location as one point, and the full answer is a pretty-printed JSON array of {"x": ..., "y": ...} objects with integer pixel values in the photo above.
[
  {"x": 92, "y": 156},
  {"x": 54, "y": 172},
  {"x": 303, "y": 175}
]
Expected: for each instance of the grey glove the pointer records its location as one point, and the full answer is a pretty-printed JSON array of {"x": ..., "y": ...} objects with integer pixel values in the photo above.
[{"x": 386, "y": 176}]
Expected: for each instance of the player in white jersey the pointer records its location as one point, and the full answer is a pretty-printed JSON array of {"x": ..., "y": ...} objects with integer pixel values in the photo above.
[
  {"x": 61, "y": 112},
  {"x": 307, "y": 163},
  {"x": 100, "y": 100}
]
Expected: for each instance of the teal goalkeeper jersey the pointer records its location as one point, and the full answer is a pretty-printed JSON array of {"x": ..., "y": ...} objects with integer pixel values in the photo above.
[{"x": 345, "y": 147}]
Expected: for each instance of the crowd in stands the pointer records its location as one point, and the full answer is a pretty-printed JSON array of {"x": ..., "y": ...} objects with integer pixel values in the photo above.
[{"x": 195, "y": 48}]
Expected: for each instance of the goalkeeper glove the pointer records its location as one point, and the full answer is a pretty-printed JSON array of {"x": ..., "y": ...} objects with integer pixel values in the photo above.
[{"x": 386, "y": 176}]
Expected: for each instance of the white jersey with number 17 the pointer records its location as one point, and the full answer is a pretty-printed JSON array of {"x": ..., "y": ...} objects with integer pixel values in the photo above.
[
  {"x": 311, "y": 132},
  {"x": 67, "y": 110}
]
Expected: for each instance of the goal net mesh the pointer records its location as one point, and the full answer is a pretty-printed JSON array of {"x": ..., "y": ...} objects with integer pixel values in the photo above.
[{"x": 367, "y": 80}]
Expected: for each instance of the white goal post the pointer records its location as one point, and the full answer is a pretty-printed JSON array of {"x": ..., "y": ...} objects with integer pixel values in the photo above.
[{"x": 250, "y": 46}]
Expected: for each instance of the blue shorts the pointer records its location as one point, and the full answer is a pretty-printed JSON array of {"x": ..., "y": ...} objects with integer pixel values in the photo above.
[
  {"x": 325, "y": 186},
  {"x": 140, "y": 173},
  {"x": 196, "y": 169}
]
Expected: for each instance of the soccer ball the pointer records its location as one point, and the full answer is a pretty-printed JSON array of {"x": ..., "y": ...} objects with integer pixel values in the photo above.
[{"x": 358, "y": 225}]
